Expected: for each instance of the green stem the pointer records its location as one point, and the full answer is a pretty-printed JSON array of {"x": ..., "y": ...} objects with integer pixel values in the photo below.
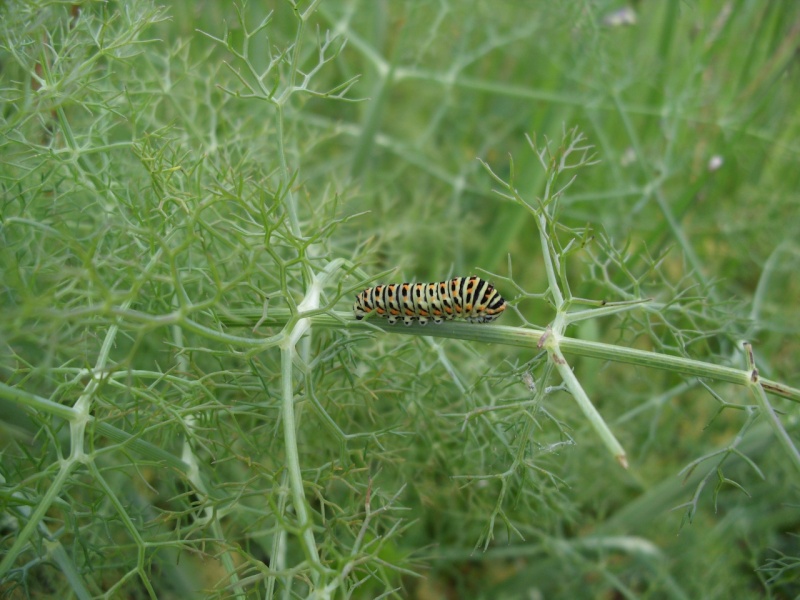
[
  {"x": 527, "y": 338},
  {"x": 293, "y": 458},
  {"x": 590, "y": 412},
  {"x": 36, "y": 516}
]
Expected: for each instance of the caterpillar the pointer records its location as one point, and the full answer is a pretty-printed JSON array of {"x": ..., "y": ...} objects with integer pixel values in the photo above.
[{"x": 469, "y": 298}]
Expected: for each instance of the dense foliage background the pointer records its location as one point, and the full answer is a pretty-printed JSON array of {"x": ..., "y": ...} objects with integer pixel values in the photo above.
[{"x": 179, "y": 183}]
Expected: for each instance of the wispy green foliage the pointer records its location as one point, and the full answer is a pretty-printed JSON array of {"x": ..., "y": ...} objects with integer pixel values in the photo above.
[{"x": 192, "y": 196}]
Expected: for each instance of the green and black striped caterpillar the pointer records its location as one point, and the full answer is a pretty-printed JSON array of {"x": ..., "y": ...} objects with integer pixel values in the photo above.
[{"x": 469, "y": 298}]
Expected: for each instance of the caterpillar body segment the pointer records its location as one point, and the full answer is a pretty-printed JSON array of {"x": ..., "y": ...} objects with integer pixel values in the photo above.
[{"x": 469, "y": 298}]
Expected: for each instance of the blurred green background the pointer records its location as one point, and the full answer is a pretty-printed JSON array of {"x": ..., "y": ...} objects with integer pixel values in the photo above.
[{"x": 143, "y": 162}]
